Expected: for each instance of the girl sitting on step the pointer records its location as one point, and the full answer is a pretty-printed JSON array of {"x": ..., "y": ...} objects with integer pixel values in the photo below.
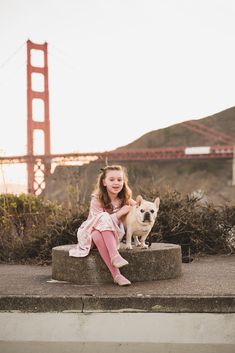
[{"x": 103, "y": 228}]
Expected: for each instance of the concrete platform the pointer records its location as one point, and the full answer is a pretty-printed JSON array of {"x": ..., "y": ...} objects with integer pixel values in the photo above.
[
  {"x": 207, "y": 285},
  {"x": 188, "y": 314},
  {"x": 161, "y": 261}
]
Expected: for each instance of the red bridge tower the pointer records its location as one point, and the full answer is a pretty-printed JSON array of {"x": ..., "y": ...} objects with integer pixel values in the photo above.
[{"x": 38, "y": 169}]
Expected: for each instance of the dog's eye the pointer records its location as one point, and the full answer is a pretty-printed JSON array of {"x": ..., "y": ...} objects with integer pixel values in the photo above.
[
  {"x": 152, "y": 211},
  {"x": 142, "y": 211}
]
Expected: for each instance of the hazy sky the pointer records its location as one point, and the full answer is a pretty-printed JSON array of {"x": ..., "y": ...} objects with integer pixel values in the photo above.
[{"x": 117, "y": 68}]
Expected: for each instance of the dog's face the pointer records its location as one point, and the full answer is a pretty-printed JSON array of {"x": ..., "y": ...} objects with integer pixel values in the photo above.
[{"x": 146, "y": 211}]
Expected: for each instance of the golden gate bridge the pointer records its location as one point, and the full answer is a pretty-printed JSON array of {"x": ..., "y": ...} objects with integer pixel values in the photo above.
[{"x": 39, "y": 167}]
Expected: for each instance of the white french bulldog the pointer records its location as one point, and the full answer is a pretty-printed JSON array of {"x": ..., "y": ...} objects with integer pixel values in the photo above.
[{"x": 140, "y": 220}]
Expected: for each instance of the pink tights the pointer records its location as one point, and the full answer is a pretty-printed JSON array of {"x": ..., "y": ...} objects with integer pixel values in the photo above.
[{"x": 106, "y": 244}]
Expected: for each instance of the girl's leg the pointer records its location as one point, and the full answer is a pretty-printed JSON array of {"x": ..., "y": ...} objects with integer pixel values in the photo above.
[
  {"x": 100, "y": 244},
  {"x": 102, "y": 248},
  {"x": 111, "y": 244}
]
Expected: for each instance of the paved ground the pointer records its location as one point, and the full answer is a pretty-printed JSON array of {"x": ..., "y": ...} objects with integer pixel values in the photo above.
[{"x": 207, "y": 285}]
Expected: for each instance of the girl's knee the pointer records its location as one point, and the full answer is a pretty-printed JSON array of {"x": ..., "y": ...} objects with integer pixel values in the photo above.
[{"x": 96, "y": 236}]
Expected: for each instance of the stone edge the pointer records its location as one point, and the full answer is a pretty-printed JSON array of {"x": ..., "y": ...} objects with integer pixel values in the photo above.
[{"x": 89, "y": 304}]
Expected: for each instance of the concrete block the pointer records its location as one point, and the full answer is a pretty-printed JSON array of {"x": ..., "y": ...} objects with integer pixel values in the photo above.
[{"x": 160, "y": 261}]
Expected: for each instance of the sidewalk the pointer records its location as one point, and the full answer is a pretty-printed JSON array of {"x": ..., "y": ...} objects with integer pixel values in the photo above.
[{"x": 207, "y": 285}]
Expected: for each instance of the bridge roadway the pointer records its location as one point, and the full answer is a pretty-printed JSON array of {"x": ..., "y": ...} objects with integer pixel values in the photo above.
[{"x": 176, "y": 153}]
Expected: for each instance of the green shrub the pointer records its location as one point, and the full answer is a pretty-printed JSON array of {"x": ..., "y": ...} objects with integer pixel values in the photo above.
[
  {"x": 30, "y": 226},
  {"x": 187, "y": 220}
]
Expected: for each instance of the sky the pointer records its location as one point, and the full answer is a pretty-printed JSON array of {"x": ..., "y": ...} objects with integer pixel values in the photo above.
[{"x": 117, "y": 69}]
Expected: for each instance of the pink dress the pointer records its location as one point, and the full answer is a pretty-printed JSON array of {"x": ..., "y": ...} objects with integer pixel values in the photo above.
[{"x": 98, "y": 219}]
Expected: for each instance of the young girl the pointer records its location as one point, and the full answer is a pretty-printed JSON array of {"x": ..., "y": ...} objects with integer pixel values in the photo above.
[{"x": 110, "y": 201}]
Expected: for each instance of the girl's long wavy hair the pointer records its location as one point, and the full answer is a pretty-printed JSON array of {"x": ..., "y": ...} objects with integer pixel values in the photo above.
[{"x": 101, "y": 191}]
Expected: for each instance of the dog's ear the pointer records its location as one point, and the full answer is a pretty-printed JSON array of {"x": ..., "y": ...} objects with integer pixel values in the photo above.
[
  {"x": 139, "y": 199},
  {"x": 157, "y": 202}
]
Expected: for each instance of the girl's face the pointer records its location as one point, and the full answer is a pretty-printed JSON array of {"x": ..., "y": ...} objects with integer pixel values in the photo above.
[{"x": 114, "y": 181}]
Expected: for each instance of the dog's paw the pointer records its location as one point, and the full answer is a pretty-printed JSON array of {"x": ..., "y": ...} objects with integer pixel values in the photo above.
[
  {"x": 129, "y": 247},
  {"x": 144, "y": 246}
]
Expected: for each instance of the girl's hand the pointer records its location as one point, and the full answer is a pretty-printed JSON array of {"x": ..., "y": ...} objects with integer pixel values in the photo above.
[{"x": 123, "y": 211}]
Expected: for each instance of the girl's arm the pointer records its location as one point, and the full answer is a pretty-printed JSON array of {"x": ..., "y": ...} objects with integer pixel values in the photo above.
[
  {"x": 123, "y": 211},
  {"x": 95, "y": 206}
]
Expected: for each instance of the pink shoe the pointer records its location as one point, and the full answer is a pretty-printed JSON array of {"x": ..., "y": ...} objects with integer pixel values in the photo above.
[
  {"x": 118, "y": 261},
  {"x": 121, "y": 280}
]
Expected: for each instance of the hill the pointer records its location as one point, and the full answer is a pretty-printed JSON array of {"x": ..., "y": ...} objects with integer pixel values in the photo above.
[
  {"x": 180, "y": 135},
  {"x": 71, "y": 185}
]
